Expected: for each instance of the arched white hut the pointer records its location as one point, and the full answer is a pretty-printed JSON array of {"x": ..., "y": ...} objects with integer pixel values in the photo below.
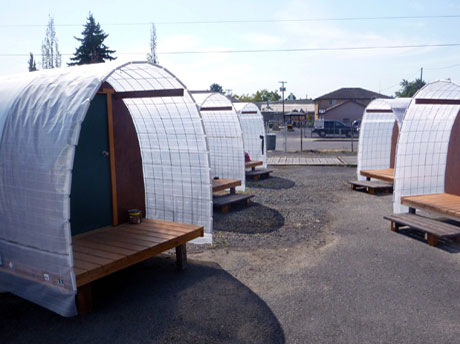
[
  {"x": 223, "y": 132},
  {"x": 252, "y": 124},
  {"x": 78, "y": 147},
  {"x": 378, "y": 135},
  {"x": 428, "y": 153}
]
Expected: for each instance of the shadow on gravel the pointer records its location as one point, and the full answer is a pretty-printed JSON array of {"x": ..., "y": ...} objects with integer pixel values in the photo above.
[
  {"x": 275, "y": 183},
  {"x": 445, "y": 245},
  {"x": 248, "y": 220},
  {"x": 151, "y": 303}
]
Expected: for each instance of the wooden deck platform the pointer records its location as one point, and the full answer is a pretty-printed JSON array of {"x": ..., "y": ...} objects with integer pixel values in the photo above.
[
  {"x": 371, "y": 186},
  {"x": 103, "y": 251},
  {"x": 253, "y": 164},
  {"x": 224, "y": 184},
  {"x": 225, "y": 201},
  {"x": 441, "y": 203},
  {"x": 259, "y": 173},
  {"x": 386, "y": 174},
  {"x": 432, "y": 228}
]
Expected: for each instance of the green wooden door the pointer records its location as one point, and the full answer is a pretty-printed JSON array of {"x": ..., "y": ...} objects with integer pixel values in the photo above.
[{"x": 91, "y": 194}]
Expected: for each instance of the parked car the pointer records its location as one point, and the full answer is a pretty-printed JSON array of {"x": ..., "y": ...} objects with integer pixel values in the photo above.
[{"x": 331, "y": 128}]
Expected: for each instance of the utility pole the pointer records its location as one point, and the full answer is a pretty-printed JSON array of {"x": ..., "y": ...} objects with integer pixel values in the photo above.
[
  {"x": 421, "y": 73},
  {"x": 283, "y": 89}
]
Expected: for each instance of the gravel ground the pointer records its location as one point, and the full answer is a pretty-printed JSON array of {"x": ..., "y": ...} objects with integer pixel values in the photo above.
[
  {"x": 290, "y": 207},
  {"x": 309, "y": 262}
]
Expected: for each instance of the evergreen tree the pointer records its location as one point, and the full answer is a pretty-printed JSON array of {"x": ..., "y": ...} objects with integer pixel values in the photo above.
[
  {"x": 32, "y": 63},
  {"x": 92, "y": 48},
  {"x": 51, "y": 58},
  {"x": 152, "y": 57}
]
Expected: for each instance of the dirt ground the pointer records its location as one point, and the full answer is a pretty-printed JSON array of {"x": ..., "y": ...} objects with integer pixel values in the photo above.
[{"x": 309, "y": 262}]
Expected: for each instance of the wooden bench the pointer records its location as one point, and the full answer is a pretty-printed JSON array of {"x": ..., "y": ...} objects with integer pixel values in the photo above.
[
  {"x": 103, "y": 251},
  {"x": 386, "y": 174},
  {"x": 371, "y": 186},
  {"x": 225, "y": 201},
  {"x": 442, "y": 203},
  {"x": 433, "y": 229}
]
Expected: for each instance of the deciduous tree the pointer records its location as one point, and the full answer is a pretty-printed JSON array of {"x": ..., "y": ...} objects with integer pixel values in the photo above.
[
  {"x": 51, "y": 58},
  {"x": 152, "y": 56},
  {"x": 409, "y": 88}
]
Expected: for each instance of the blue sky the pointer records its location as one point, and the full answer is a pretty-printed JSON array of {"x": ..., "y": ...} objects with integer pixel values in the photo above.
[{"x": 311, "y": 73}]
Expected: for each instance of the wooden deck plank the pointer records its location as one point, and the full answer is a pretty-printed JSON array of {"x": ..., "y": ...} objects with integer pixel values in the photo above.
[
  {"x": 386, "y": 174},
  {"x": 251, "y": 164},
  {"x": 89, "y": 258},
  {"x": 97, "y": 253},
  {"x": 442, "y": 203},
  {"x": 162, "y": 227},
  {"x": 223, "y": 184},
  {"x": 116, "y": 243},
  {"x": 102, "y": 247}
]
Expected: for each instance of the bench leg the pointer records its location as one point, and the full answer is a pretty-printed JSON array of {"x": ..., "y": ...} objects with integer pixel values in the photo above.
[
  {"x": 432, "y": 240},
  {"x": 84, "y": 299},
  {"x": 411, "y": 210},
  {"x": 371, "y": 191},
  {"x": 226, "y": 208},
  {"x": 368, "y": 178},
  {"x": 248, "y": 201},
  {"x": 394, "y": 226},
  {"x": 256, "y": 178},
  {"x": 181, "y": 256}
]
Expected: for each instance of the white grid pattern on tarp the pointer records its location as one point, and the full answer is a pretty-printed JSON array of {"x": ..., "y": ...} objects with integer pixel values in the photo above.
[
  {"x": 42, "y": 121},
  {"x": 224, "y": 135},
  {"x": 175, "y": 155},
  {"x": 376, "y": 133},
  {"x": 252, "y": 125},
  {"x": 423, "y": 143}
]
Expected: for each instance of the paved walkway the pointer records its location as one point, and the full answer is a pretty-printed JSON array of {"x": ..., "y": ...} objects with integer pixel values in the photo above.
[{"x": 323, "y": 161}]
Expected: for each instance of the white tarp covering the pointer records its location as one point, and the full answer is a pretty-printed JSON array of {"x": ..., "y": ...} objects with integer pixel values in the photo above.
[
  {"x": 41, "y": 114},
  {"x": 376, "y": 133},
  {"x": 252, "y": 124},
  {"x": 423, "y": 143},
  {"x": 223, "y": 132}
]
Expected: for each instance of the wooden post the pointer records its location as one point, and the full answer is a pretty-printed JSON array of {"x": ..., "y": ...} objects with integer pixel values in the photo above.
[
  {"x": 181, "y": 256},
  {"x": 113, "y": 175},
  {"x": 432, "y": 240},
  {"x": 84, "y": 299},
  {"x": 411, "y": 210}
]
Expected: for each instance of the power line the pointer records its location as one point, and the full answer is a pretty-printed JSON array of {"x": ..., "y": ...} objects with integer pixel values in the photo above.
[
  {"x": 435, "y": 45},
  {"x": 240, "y": 21}
]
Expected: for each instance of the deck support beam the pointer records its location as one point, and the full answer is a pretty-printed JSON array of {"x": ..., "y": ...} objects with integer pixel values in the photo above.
[
  {"x": 84, "y": 299},
  {"x": 181, "y": 256}
]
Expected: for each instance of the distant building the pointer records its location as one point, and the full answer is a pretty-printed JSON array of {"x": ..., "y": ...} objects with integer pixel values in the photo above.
[
  {"x": 345, "y": 104},
  {"x": 295, "y": 110}
]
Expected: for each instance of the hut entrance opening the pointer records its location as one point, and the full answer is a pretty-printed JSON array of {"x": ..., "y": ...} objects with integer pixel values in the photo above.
[
  {"x": 91, "y": 193},
  {"x": 107, "y": 180}
]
